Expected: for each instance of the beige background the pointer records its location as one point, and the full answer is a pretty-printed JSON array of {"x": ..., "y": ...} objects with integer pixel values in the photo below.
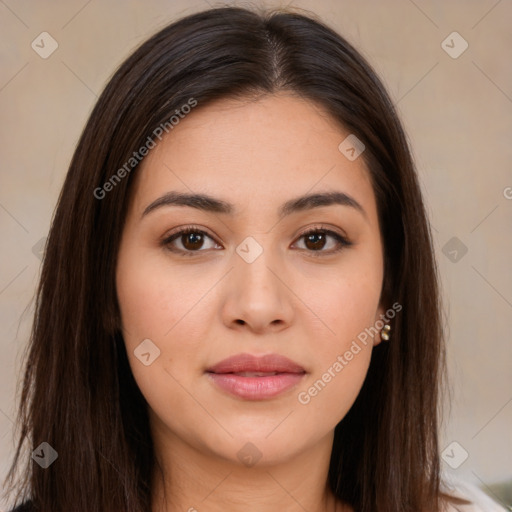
[{"x": 458, "y": 115}]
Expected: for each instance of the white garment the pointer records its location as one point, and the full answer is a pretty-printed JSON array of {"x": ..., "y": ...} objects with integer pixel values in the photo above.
[{"x": 480, "y": 502}]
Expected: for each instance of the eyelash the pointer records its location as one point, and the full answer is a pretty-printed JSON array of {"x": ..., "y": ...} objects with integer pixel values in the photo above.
[{"x": 342, "y": 241}]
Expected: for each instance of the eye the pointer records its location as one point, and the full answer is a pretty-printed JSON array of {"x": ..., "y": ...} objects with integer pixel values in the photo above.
[
  {"x": 189, "y": 240},
  {"x": 316, "y": 239}
]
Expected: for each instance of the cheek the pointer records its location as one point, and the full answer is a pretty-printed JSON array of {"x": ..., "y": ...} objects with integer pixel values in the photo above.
[
  {"x": 153, "y": 301},
  {"x": 346, "y": 307},
  {"x": 154, "y": 306},
  {"x": 343, "y": 305},
  {"x": 340, "y": 368},
  {"x": 331, "y": 391},
  {"x": 167, "y": 307}
]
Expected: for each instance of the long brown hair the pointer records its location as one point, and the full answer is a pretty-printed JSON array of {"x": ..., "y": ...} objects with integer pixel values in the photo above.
[{"x": 79, "y": 394}]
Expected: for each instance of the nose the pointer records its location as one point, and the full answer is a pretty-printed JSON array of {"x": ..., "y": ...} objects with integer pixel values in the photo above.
[{"x": 257, "y": 296}]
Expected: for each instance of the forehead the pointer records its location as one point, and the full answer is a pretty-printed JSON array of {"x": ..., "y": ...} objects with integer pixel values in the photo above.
[{"x": 270, "y": 147}]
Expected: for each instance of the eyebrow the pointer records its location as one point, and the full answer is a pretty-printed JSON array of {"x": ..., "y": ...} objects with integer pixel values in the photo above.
[{"x": 211, "y": 204}]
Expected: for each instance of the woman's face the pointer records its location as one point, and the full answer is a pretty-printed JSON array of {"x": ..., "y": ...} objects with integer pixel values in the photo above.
[{"x": 247, "y": 282}]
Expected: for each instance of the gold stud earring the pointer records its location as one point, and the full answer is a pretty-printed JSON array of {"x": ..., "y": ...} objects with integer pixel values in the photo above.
[{"x": 384, "y": 334}]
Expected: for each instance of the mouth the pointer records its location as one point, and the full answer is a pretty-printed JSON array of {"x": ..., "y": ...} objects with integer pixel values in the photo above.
[
  {"x": 254, "y": 374},
  {"x": 256, "y": 378}
]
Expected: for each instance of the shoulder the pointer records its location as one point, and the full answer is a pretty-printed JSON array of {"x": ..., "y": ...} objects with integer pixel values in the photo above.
[{"x": 480, "y": 502}]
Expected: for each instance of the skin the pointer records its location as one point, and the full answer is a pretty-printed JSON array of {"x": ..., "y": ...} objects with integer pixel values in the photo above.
[{"x": 200, "y": 309}]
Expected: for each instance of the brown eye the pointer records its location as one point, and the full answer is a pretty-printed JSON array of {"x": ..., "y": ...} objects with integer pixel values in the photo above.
[
  {"x": 316, "y": 240},
  {"x": 192, "y": 241},
  {"x": 188, "y": 241}
]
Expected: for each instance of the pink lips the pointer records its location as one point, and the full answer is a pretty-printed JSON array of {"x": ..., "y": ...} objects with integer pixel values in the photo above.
[{"x": 256, "y": 378}]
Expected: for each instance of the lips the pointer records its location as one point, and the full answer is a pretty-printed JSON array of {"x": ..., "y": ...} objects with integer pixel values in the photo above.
[
  {"x": 256, "y": 378},
  {"x": 268, "y": 364}
]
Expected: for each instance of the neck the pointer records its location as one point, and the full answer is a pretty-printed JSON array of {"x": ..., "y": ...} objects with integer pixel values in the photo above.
[{"x": 194, "y": 480}]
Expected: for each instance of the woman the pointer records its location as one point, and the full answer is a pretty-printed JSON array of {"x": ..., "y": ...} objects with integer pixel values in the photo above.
[{"x": 238, "y": 305}]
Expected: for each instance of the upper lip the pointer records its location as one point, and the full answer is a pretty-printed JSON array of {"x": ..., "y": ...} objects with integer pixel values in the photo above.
[{"x": 249, "y": 363}]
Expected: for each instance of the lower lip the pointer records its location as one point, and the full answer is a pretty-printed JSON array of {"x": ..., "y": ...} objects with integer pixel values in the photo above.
[{"x": 256, "y": 388}]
